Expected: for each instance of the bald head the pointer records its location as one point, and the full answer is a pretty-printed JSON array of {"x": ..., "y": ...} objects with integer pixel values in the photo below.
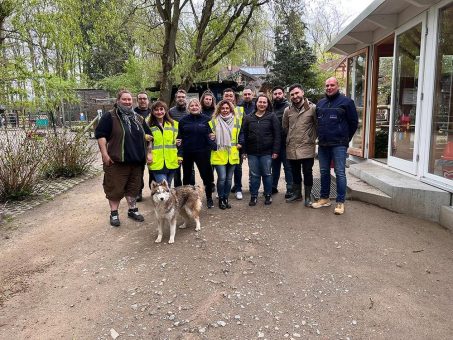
[{"x": 332, "y": 86}]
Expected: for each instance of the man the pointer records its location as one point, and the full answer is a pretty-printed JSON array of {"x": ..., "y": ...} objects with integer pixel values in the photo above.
[
  {"x": 229, "y": 94},
  {"x": 143, "y": 110},
  {"x": 337, "y": 123},
  {"x": 248, "y": 100},
  {"x": 177, "y": 112},
  {"x": 279, "y": 104},
  {"x": 299, "y": 121},
  {"x": 142, "y": 107}
]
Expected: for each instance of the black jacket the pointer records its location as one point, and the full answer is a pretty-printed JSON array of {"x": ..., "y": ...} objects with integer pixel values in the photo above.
[
  {"x": 337, "y": 120},
  {"x": 249, "y": 107},
  {"x": 144, "y": 113},
  {"x": 261, "y": 135}
]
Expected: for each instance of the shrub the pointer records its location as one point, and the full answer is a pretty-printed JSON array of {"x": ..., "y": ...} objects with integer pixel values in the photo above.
[
  {"x": 68, "y": 155},
  {"x": 21, "y": 159}
]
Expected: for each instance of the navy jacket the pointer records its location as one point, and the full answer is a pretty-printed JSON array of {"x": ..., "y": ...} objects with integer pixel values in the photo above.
[
  {"x": 337, "y": 120},
  {"x": 194, "y": 131}
]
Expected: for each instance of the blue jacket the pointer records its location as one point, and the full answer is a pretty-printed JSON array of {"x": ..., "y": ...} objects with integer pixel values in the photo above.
[
  {"x": 194, "y": 131},
  {"x": 337, "y": 120}
]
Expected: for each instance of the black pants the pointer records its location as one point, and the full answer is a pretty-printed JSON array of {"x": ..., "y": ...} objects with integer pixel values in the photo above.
[
  {"x": 203, "y": 162},
  {"x": 177, "y": 180},
  {"x": 307, "y": 169}
]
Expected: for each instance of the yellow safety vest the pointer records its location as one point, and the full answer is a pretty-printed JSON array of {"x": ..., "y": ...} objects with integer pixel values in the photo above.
[
  {"x": 164, "y": 149},
  {"x": 230, "y": 155},
  {"x": 239, "y": 110}
]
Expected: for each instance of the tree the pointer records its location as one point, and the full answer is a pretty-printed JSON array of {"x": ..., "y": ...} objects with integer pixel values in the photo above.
[
  {"x": 294, "y": 59},
  {"x": 199, "y": 38},
  {"x": 217, "y": 31},
  {"x": 325, "y": 20}
]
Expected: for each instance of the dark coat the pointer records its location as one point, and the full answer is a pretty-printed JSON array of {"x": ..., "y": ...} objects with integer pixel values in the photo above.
[{"x": 261, "y": 135}]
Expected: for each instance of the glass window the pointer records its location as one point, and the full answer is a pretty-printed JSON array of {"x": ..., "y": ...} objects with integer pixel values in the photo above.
[
  {"x": 407, "y": 62},
  {"x": 356, "y": 88},
  {"x": 441, "y": 152}
]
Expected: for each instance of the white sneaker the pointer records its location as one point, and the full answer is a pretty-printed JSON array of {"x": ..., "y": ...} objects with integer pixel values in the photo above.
[{"x": 239, "y": 195}]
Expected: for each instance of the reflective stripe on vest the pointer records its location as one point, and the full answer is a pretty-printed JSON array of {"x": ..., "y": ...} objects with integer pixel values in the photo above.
[
  {"x": 164, "y": 149},
  {"x": 231, "y": 155}
]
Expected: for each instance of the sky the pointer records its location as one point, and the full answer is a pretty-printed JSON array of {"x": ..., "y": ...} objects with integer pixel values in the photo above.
[{"x": 354, "y": 7}]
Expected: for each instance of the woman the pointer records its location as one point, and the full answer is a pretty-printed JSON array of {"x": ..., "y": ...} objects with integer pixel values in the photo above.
[
  {"x": 226, "y": 126},
  {"x": 262, "y": 137},
  {"x": 196, "y": 134},
  {"x": 207, "y": 104},
  {"x": 121, "y": 139},
  {"x": 163, "y": 161}
]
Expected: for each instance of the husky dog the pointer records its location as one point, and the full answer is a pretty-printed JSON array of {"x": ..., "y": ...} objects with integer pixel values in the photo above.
[{"x": 168, "y": 203}]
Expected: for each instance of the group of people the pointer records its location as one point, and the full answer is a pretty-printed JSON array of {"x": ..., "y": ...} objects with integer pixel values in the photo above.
[{"x": 217, "y": 137}]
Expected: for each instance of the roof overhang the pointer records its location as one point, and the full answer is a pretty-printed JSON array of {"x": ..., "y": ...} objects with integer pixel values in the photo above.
[{"x": 377, "y": 21}]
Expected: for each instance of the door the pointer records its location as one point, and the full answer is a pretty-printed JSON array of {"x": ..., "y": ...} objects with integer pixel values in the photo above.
[
  {"x": 356, "y": 90},
  {"x": 381, "y": 90},
  {"x": 406, "y": 95}
]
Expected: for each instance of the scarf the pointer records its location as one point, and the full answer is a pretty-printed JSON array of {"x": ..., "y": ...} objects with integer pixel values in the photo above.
[
  {"x": 223, "y": 131},
  {"x": 129, "y": 118}
]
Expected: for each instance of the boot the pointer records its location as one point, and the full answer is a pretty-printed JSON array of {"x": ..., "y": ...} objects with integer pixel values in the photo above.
[
  {"x": 296, "y": 195},
  {"x": 227, "y": 204},
  {"x": 307, "y": 201},
  {"x": 222, "y": 204}
]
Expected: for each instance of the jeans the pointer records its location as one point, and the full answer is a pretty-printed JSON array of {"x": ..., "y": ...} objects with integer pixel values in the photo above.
[
  {"x": 338, "y": 154},
  {"x": 307, "y": 168},
  {"x": 224, "y": 179},
  {"x": 167, "y": 176},
  {"x": 260, "y": 166},
  {"x": 276, "y": 167}
]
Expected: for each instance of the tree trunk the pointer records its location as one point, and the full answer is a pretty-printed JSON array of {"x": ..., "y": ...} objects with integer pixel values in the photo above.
[{"x": 169, "y": 13}]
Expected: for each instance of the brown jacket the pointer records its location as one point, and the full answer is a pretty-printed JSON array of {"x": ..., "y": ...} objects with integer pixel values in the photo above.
[{"x": 301, "y": 128}]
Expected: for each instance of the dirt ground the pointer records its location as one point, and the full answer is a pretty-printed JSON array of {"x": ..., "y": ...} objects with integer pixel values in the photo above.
[{"x": 268, "y": 272}]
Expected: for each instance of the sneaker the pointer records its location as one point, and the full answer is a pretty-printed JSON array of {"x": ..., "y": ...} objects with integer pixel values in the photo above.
[
  {"x": 274, "y": 191},
  {"x": 239, "y": 195},
  {"x": 114, "y": 219},
  {"x": 253, "y": 201},
  {"x": 135, "y": 215},
  {"x": 209, "y": 203},
  {"x": 339, "y": 209},
  {"x": 323, "y": 202},
  {"x": 268, "y": 199}
]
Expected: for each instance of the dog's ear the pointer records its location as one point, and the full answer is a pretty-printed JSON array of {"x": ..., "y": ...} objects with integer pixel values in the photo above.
[
  {"x": 153, "y": 184},
  {"x": 165, "y": 183}
]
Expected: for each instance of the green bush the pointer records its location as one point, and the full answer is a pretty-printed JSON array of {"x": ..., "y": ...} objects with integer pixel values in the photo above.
[
  {"x": 68, "y": 155},
  {"x": 21, "y": 160}
]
